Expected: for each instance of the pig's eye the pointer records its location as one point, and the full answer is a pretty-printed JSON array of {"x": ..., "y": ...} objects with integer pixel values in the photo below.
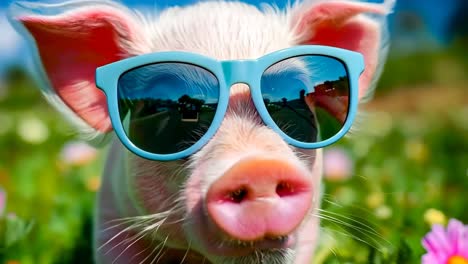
[
  {"x": 307, "y": 96},
  {"x": 167, "y": 107}
]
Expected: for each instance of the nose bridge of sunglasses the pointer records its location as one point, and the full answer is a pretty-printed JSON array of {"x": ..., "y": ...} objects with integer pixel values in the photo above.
[{"x": 237, "y": 71}]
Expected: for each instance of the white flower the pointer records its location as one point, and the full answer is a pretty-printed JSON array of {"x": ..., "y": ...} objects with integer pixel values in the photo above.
[{"x": 32, "y": 130}]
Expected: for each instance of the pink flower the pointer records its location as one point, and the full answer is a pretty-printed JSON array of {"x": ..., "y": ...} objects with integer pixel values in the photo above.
[
  {"x": 77, "y": 153},
  {"x": 337, "y": 165},
  {"x": 446, "y": 246}
]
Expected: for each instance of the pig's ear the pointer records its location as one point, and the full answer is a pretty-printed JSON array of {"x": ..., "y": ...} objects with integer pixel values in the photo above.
[
  {"x": 71, "y": 41},
  {"x": 349, "y": 25}
]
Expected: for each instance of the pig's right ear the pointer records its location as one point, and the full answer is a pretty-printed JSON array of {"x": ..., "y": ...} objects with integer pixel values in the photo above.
[{"x": 71, "y": 41}]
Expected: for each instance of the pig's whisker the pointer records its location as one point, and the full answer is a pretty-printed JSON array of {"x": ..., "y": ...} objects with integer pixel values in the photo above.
[
  {"x": 306, "y": 245},
  {"x": 367, "y": 228},
  {"x": 368, "y": 234},
  {"x": 330, "y": 201},
  {"x": 306, "y": 158},
  {"x": 127, "y": 240},
  {"x": 143, "y": 217},
  {"x": 186, "y": 252},
  {"x": 151, "y": 253},
  {"x": 363, "y": 229},
  {"x": 158, "y": 255},
  {"x": 123, "y": 222},
  {"x": 303, "y": 155},
  {"x": 178, "y": 171},
  {"x": 358, "y": 219},
  {"x": 139, "y": 222},
  {"x": 136, "y": 238},
  {"x": 347, "y": 234},
  {"x": 141, "y": 251},
  {"x": 258, "y": 256},
  {"x": 117, "y": 235},
  {"x": 326, "y": 231}
]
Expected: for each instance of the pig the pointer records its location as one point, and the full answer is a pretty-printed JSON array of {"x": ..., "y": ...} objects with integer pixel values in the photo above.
[{"x": 167, "y": 212}]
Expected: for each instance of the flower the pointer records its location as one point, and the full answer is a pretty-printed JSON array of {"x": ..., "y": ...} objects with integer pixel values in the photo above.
[
  {"x": 446, "y": 246},
  {"x": 383, "y": 212},
  {"x": 77, "y": 153},
  {"x": 375, "y": 199},
  {"x": 433, "y": 216},
  {"x": 416, "y": 150},
  {"x": 93, "y": 184},
  {"x": 337, "y": 165},
  {"x": 32, "y": 130}
]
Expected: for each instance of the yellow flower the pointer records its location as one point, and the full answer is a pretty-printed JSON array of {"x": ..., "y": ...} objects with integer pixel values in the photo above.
[
  {"x": 93, "y": 184},
  {"x": 433, "y": 216},
  {"x": 416, "y": 150},
  {"x": 375, "y": 199}
]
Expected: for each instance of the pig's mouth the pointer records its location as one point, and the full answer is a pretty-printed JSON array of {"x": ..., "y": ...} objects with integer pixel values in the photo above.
[
  {"x": 258, "y": 252},
  {"x": 220, "y": 245},
  {"x": 236, "y": 248},
  {"x": 259, "y": 257}
]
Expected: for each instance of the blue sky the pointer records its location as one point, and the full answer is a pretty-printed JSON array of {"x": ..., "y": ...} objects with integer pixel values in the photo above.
[
  {"x": 160, "y": 3},
  {"x": 435, "y": 18}
]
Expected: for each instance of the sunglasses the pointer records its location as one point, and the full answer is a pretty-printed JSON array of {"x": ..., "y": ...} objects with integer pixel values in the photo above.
[{"x": 167, "y": 105}]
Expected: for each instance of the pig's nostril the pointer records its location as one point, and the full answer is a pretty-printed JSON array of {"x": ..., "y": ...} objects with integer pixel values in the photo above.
[
  {"x": 238, "y": 195},
  {"x": 284, "y": 189}
]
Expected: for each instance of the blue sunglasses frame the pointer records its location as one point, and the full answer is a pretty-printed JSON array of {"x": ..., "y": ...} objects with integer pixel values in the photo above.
[{"x": 229, "y": 72}]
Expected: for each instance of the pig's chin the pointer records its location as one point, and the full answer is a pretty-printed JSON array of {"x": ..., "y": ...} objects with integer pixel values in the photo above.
[{"x": 259, "y": 257}]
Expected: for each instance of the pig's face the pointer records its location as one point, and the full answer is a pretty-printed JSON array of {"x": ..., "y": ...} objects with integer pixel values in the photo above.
[
  {"x": 243, "y": 143},
  {"x": 246, "y": 196}
]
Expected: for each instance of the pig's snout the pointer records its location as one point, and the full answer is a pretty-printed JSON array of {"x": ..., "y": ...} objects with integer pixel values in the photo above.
[{"x": 259, "y": 198}]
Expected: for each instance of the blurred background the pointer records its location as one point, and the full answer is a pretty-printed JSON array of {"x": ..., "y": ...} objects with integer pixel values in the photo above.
[{"x": 385, "y": 186}]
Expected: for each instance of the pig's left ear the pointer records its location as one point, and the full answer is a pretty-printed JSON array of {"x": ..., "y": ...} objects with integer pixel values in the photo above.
[
  {"x": 344, "y": 24},
  {"x": 71, "y": 41}
]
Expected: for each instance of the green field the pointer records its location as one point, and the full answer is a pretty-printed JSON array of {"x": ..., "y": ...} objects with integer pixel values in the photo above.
[{"x": 410, "y": 171}]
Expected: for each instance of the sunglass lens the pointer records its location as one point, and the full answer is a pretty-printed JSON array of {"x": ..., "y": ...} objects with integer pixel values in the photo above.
[
  {"x": 307, "y": 96},
  {"x": 166, "y": 107}
]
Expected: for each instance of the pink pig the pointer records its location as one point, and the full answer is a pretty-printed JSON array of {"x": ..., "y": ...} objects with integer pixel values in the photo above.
[{"x": 169, "y": 212}]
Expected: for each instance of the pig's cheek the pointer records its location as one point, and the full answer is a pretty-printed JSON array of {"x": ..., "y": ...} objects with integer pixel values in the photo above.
[
  {"x": 194, "y": 189},
  {"x": 157, "y": 185},
  {"x": 312, "y": 160},
  {"x": 316, "y": 168},
  {"x": 158, "y": 189}
]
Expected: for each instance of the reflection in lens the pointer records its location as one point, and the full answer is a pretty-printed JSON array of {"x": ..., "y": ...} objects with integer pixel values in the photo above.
[
  {"x": 166, "y": 107},
  {"x": 307, "y": 96}
]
